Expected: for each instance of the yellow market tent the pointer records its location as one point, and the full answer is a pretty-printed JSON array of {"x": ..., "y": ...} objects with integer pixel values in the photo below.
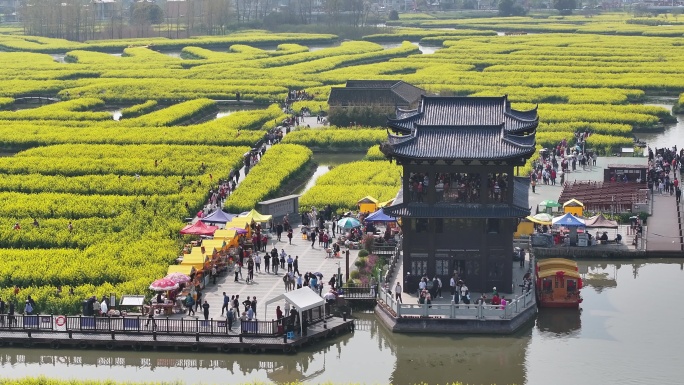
[
  {"x": 196, "y": 258},
  {"x": 574, "y": 207},
  {"x": 185, "y": 269},
  {"x": 256, "y": 217},
  {"x": 224, "y": 234},
  {"x": 368, "y": 204},
  {"x": 214, "y": 244}
]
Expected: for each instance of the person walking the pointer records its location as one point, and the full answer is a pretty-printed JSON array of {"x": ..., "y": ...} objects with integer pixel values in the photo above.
[
  {"x": 313, "y": 238},
  {"x": 290, "y": 261},
  {"x": 289, "y": 235},
  {"x": 198, "y": 301},
  {"x": 254, "y": 306},
  {"x": 230, "y": 318},
  {"x": 257, "y": 262},
  {"x": 190, "y": 304},
  {"x": 397, "y": 293},
  {"x": 250, "y": 271},
  {"x": 267, "y": 262},
  {"x": 205, "y": 306},
  {"x": 226, "y": 302},
  {"x": 279, "y": 230},
  {"x": 295, "y": 265},
  {"x": 465, "y": 294},
  {"x": 522, "y": 257}
]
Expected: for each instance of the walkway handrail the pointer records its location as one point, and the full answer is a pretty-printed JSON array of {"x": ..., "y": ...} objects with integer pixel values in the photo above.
[
  {"x": 477, "y": 311},
  {"x": 144, "y": 325}
]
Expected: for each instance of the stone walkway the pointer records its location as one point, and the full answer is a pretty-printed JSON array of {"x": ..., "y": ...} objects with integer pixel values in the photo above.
[{"x": 266, "y": 285}]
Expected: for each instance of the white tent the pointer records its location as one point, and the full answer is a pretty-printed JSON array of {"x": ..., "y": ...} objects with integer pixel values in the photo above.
[{"x": 301, "y": 299}]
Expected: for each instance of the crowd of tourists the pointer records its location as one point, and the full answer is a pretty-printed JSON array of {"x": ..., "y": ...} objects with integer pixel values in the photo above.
[{"x": 663, "y": 164}]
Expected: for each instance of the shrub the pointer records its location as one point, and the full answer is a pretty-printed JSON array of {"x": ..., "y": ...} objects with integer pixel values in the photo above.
[{"x": 363, "y": 253}]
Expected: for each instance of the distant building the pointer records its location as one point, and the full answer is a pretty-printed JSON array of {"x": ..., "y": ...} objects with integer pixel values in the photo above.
[
  {"x": 368, "y": 102},
  {"x": 460, "y": 203}
]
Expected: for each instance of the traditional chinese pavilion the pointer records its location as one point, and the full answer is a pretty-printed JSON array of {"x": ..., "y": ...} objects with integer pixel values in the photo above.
[{"x": 460, "y": 202}]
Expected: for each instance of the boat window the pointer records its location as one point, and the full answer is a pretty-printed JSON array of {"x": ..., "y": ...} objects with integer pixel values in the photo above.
[
  {"x": 572, "y": 286},
  {"x": 547, "y": 285}
]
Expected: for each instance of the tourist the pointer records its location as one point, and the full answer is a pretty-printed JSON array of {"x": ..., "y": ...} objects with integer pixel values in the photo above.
[
  {"x": 198, "y": 301},
  {"x": 439, "y": 287},
  {"x": 205, "y": 307},
  {"x": 250, "y": 270},
  {"x": 282, "y": 260},
  {"x": 279, "y": 230},
  {"x": 503, "y": 303},
  {"x": 290, "y": 261},
  {"x": 103, "y": 307},
  {"x": 521, "y": 254},
  {"x": 150, "y": 318},
  {"x": 230, "y": 318},
  {"x": 189, "y": 303},
  {"x": 237, "y": 271},
  {"x": 257, "y": 262},
  {"x": 267, "y": 262},
  {"x": 496, "y": 300},
  {"x": 465, "y": 294},
  {"x": 397, "y": 293},
  {"x": 313, "y": 238},
  {"x": 247, "y": 303},
  {"x": 422, "y": 285},
  {"x": 289, "y": 235},
  {"x": 295, "y": 265},
  {"x": 11, "y": 319},
  {"x": 226, "y": 301},
  {"x": 253, "y": 305},
  {"x": 452, "y": 286},
  {"x": 28, "y": 309},
  {"x": 482, "y": 300}
]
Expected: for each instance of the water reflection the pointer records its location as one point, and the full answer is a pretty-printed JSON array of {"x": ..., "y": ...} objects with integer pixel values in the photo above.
[
  {"x": 559, "y": 322},
  {"x": 622, "y": 329}
]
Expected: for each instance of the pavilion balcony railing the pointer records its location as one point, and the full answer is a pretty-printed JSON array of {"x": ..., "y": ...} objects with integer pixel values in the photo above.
[{"x": 459, "y": 311}]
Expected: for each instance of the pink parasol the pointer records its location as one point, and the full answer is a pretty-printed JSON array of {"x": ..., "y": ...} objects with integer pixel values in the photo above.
[
  {"x": 178, "y": 277},
  {"x": 163, "y": 284}
]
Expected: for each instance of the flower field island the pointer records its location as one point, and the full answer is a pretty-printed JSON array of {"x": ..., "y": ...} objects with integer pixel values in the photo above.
[{"x": 99, "y": 202}]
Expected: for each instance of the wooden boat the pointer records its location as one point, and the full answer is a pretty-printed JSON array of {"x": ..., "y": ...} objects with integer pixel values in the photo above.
[{"x": 558, "y": 283}]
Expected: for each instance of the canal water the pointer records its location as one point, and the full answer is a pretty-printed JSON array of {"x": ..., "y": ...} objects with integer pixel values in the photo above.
[
  {"x": 628, "y": 331},
  {"x": 672, "y": 135},
  {"x": 327, "y": 161}
]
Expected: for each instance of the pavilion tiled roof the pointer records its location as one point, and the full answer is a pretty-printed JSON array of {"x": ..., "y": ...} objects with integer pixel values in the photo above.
[
  {"x": 463, "y": 128},
  {"x": 375, "y": 92}
]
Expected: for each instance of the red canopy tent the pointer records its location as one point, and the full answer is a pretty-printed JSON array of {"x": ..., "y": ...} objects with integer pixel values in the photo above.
[{"x": 199, "y": 228}]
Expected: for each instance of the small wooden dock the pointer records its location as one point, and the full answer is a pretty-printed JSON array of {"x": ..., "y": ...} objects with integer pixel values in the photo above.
[{"x": 192, "y": 334}]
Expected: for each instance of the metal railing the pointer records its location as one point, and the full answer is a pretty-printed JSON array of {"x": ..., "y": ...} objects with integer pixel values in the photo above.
[
  {"x": 144, "y": 325},
  {"x": 477, "y": 311},
  {"x": 357, "y": 291}
]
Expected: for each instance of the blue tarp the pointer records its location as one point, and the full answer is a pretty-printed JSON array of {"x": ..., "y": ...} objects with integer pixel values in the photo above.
[
  {"x": 380, "y": 216},
  {"x": 568, "y": 220},
  {"x": 218, "y": 216}
]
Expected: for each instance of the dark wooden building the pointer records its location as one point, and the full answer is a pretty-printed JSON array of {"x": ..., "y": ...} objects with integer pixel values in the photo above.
[
  {"x": 369, "y": 102},
  {"x": 460, "y": 202}
]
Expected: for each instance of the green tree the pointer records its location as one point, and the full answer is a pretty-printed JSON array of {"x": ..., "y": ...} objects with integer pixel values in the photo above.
[
  {"x": 510, "y": 8},
  {"x": 565, "y": 7}
]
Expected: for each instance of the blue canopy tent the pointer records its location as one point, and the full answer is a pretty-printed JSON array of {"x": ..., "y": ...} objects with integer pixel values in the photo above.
[
  {"x": 379, "y": 216},
  {"x": 218, "y": 216},
  {"x": 571, "y": 222}
]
